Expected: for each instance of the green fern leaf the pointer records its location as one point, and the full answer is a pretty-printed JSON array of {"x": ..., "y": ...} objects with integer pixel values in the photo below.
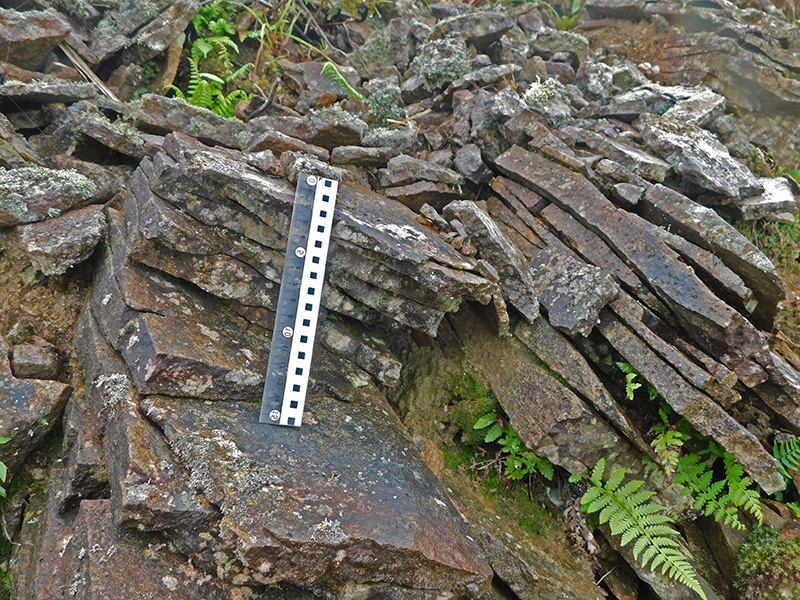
[
  {"x": 332, "y": 72},
  {"x": 656, "y": 539},
  {"x": 788, "y": 456}
]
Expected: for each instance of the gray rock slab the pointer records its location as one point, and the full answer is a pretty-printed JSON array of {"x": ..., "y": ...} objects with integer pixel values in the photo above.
[
  {"x": 711, "y": 322},
  {"x": 360, "y": 156},
  {"x": 634, "y": 159},
  {"x": 516, "y": 278},
  {"x": 48, "y": 90},
  {"x": 32, "y": 193},
  {"x": 469, "y": 163},
  {"x": 572, "y": 291},
  {"x": 58, "y": 244},
  {"x": 699, "y": 109},
  {"x": 777, "y": 203},
  {"x": 424, "y": 170},
  {"x": 162, "y": 115},
  {"x": 479, "y": 28},
  {"x": 35, "y": 361},
  {"x": 28, "y": 37},
  {"x": 346, "y": 492},
  {"x": 704, "y": 227},
  {"x": 696, "y": 155}
]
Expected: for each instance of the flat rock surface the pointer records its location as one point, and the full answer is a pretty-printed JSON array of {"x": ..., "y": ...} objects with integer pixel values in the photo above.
[
  {"x": 58, "y": 244},
  {"x": 347, "y": 491}
]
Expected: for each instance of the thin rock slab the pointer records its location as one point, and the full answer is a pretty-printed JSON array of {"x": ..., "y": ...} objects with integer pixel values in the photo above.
[
  {"x": 697, "y": 408},
  {"x": 714, "y": 324},
  {"x": 48, "y": 90},
  {"x": 479, "y": 28},
  {"x": 516, "y": 277},
  {"x": 696, "y": 155},
  {"x": 704, "y": 227},
  {"x": 346, "y": 493},
  {"x": 58, "y": 244},
  {"x": 162, "y": 115},
  {"x": 776, "y": 204}
]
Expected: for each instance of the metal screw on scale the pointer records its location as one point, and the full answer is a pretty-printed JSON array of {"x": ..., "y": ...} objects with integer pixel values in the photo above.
[{"x": 298, "y": 306}]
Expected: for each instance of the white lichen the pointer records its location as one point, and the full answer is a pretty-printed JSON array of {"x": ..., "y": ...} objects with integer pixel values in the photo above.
[
  {"x": 329, "y": 532},
  {"x": 540, "y": 93}
]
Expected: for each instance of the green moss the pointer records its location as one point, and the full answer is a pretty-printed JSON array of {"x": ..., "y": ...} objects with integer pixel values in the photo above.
[
  {"x": 474, "y": 399},
  {"x": 515, "y": 503},
  {"x": 768, "y": 569}
]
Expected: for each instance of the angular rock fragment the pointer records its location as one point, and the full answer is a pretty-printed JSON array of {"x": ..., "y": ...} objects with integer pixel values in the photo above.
[
  {"x": 162, "y": 115},
  {"x": 635, "y": 160},
  {"x": 777, "y": 203},
  {"x": 28, "y": 37},
  {"x": 699, "y": 109},
  {"x": 263, "y": 480},
  {"x": 58, "y": 244},
  {"x": 424, "y": 170},
  {"x": 572, "y": 291},
  {"x": 516, "y": 278},
  {"x": 697, "y": 156},
  {"x": 479, "y": 28},
  {"x": 31, "y": 193},
  {"x": 469, "y": 163},
  {"x": 35, "y": 361},
  {"x": 29, "y": 409},
  {"x": 362, "y": 157},
  {"x": 267, "y": 138},
  {"x": 328, "y": 128},
  {"x": 47, "y": 91}
]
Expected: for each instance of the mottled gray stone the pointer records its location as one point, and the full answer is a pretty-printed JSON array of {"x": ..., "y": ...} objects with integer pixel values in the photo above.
[
  {"x": 377, "y": 513},
  {"x": 28, "y": 37},
  {"x": 424, "y": 170},
  {"x": 469, "y": 163},
  {"x": 634, "y": 159},
  {"x": 47, "y": 90},
  {"x": 594, "y": 79},
  {"x": 29, "y": 409},
  {"x": 159, "y": 114},
  {"x": 697, "y": 156},
  {"x": 572, "y": 291},
  {"x": 699, "y": 109},
  {"x": 777, "y": 203},
  {"x": 516, "y": 278},
  {"x": 31, "y": 193},
  {"x": 362, "y": 157},
  {"x": 479, "y": 28},
  {"x": 35, "y": 361},
  {"x": 58, "y": 244}
]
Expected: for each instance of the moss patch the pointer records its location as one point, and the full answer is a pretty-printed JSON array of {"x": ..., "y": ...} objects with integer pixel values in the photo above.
[{"x": 769, "y": 569}]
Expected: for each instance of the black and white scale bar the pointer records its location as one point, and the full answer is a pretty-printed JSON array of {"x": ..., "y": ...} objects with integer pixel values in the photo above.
[{"x": 298, "y": 302}]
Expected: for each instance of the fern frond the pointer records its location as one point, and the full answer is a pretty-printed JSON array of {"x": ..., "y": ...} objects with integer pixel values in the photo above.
[
  {"x": 788, "y": 456},
  {"x": 332, "y": 72},
  {"x": 203, "y": 95},
  {"x": 740, "y": 493},
  {"x": 656, "y": 539},
  {"x": 194, "y": 78},
  {"x": 174, "y": 88},
  {"x": 239, "y": 72}
]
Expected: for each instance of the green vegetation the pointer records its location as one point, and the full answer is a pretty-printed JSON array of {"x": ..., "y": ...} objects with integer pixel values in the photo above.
[
  {"x": 630, "y": 513},
  {"x": 709, "y": 474},
  {"x": 519, "y": 461},
  {"x": 3, "y": 471},
  {"x": 769, "y": 569},
  {"x": 566, "y": 20},
  {"x": 332, "y": 72},
  {"x": 777, "y": 240}
]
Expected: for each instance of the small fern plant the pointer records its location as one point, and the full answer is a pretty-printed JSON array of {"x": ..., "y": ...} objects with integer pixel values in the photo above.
[
  {"x": 3, "y": 471},
  {"x": 520, "y": 461},
  {"x": 332, "y": 72},
  {"x": 668, "y": 441},
  {"x": 207, "y": 90},
  {"x": 630, "y": 513},
  {"x": 722, "y": 498}
]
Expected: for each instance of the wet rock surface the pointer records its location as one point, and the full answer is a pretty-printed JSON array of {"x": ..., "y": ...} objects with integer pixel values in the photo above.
[{"x": 513, "y": 205}]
